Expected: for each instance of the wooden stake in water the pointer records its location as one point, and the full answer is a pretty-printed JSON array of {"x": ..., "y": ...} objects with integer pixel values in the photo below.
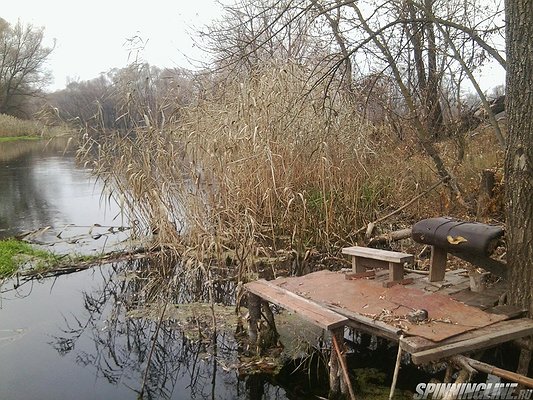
[{"x": 396, "y": 368}]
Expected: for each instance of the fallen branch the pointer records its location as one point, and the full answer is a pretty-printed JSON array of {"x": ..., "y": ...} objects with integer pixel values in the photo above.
[
  {"x": 83, "y": 265},
  {"x": 502, "y": 373},
  {"x": 390, "y": 237},
  {"x": 437, "y": 184}
]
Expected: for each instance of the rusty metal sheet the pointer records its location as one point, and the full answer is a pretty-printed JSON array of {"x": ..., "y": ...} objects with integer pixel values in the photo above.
[{"x": 446, "y": 316}]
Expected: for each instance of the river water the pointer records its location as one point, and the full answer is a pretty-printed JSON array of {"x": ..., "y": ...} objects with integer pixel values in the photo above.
[
  {"x": 78, "y": 337},
  {"x": 69, "y": 337}
]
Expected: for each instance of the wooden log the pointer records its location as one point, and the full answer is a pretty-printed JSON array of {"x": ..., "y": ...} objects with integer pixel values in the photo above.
[
  {"x": 272, "y": 335},
  {"x": 334, "y": 368},
  {"x": 449, "y": 373},
  {"x": 254, "y": 311},
  {"x": 502, "y": 373},
  {"x": 390, "y": 237},
  {"x": 462, "y": 377},
  {"x": 463, "y": 364}
]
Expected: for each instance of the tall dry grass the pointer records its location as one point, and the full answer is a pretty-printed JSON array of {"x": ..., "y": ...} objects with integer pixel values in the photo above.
[
  {"x": 14, "y": 127},
  {"x": 262, "y": 165},
  {"x": 266, "y": 162}
]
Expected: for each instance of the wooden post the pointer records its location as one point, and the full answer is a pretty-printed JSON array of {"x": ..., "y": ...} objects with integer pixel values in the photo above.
[
  {"x": 449, "y": 373},
  {"x": 271, "y": 337},
  {"x": 523, "y": 362},
  {"x": 462, "y": 377},
  {"x": 437, "y": 269},
  {"x": 254, "y": 310},
  {"x": 335, "y": 366}
]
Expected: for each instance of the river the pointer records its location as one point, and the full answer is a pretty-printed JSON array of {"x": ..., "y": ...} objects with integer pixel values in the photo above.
[{"x": 69, "y": 337}]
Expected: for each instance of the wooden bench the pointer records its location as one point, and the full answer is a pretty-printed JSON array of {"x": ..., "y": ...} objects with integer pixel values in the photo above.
[{"x": 366, "y": 257}]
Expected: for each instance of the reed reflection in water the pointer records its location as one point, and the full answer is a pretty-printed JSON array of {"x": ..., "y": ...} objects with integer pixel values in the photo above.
[{"x": 85, "y": 338}]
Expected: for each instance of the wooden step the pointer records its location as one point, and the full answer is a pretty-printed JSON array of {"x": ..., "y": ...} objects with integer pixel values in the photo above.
[{"x": 305, "y": 308}]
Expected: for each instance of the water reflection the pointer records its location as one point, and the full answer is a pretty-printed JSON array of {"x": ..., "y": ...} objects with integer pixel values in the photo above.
[
  {"x": 102, "y": 352},
  {"x": 41, "y": 185}
]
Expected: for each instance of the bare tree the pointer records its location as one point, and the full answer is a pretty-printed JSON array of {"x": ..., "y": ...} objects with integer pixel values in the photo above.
[{"x": 22, "y": 58}]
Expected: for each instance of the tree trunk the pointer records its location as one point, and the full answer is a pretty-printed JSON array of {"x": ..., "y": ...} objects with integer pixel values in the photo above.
[{"x": 519, "y": 155}]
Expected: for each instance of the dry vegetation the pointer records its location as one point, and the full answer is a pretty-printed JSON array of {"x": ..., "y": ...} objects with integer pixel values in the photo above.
[
  {"x": 15, "y": 127},
  {"x": 266, "y": 165}
]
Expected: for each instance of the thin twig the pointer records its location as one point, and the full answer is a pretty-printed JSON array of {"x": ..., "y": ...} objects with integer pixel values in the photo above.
[
  {"x": 154, "y": 341},
  {"x": 434, "y": 186}
]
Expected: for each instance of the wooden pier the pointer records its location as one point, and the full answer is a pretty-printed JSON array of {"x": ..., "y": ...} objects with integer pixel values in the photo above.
[{"x": 387, "y": 303}]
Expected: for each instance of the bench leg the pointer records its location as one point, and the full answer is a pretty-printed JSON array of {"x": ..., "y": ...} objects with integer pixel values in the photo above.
[
  {"x": 357, "y": 266},
  {"x": 437, "y": 269},
  {"x": 395, "y": 272}
]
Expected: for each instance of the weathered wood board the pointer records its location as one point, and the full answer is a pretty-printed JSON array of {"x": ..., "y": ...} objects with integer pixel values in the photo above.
[
  {"x": 307, "y": 309},
  {"x": 368, "y": 298},
  {"x": 503, "y": 332}
]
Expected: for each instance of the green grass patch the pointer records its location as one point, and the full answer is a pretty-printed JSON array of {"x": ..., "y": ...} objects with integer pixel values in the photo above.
[
  {"x": 15, "y": 254},
  {"x": 16, "y": 138}
]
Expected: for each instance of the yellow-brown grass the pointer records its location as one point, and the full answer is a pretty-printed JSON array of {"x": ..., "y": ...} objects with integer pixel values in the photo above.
[
  {"x": 14, "y": 127},
  {"x": 266, "y": 164}
]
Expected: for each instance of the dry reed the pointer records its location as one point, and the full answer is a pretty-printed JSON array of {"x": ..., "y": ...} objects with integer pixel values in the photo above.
[{"x": 258, "y": 166}]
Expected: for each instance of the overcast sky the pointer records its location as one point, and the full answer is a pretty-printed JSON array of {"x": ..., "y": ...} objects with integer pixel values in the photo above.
[{"x": 91, "y": 35}]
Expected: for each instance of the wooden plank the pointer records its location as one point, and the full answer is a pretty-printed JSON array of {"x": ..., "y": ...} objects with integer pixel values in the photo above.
[
  {"x": 415, "y": 344},
  {"x": 514, "y": 329},
  {"x": 509, "y": 310},
  {"x": 377, "y": 254},
  {"x": 486, "y": 299},
  {"x": 367, "y": 324},
  {"x": 437, "y": 268},
  {"x": 307, "y": 309}
]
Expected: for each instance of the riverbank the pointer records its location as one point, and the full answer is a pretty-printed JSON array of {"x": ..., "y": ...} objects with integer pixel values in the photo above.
[
  {"x": 12, "y": 128},
  {"x": 4, "y": 139}
]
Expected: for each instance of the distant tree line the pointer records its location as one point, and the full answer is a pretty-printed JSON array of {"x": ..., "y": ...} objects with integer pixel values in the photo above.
[{"x": 123, "y": 99}]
